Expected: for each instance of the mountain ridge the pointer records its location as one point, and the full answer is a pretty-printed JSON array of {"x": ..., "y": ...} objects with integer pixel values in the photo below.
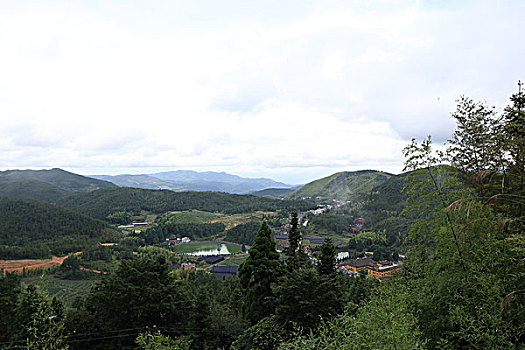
[
  {"x": 344, "y": 185},
  {"x": 48, "y": 185},
  {"x": 190, "y": 180}
]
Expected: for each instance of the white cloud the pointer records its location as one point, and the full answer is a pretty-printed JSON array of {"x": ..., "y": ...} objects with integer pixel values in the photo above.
[{"x": 286, "y": 89}]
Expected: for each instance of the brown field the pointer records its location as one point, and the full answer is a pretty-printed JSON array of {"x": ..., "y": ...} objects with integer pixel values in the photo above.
[
  {"x": 18, "y": 265},
  {"x": 230, "y": 222}
]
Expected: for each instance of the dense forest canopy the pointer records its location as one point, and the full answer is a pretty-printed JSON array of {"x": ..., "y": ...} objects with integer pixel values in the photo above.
[
  {"x": 31, "y": 229},
  {"x": 104, "y": 202}
]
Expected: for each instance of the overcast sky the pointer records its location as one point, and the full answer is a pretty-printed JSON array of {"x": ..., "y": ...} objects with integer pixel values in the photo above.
[{"x": 291, "y": 90}]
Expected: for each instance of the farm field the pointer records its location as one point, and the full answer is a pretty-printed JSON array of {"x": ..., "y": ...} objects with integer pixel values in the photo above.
[
  {"x": 203, "y": 217},
  {"x": 65, "y": 290},
  {"x": 233, "y": 261}
]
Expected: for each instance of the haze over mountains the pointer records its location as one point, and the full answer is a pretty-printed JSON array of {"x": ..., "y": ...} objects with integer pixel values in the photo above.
[
  {"x": 55, "y": 184},
  {"x": 189, "y": 180}
]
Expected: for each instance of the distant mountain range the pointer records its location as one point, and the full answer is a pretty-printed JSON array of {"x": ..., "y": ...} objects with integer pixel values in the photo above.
[
  {"x": 56, "y": 184},
  {"x": 188, "y": 180}
]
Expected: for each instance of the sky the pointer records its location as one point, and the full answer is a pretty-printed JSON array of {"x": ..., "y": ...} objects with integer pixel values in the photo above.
[{"x": 292, "y": 90}]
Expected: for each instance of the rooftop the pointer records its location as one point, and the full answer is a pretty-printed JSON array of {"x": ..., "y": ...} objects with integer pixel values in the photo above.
[{"x": 225, "y": 269}]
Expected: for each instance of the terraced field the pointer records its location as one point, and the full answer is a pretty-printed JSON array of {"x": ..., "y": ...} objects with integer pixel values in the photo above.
[
  {"x": 203, "y": 217},
  {"x": 65, "y": 290}
]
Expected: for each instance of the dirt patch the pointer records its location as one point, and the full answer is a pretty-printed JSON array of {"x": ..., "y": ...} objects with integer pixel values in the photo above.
[
  {"x": 29, "y": 264},
  {"x": 83, "y": 268},
  {"x": 232, "y": 222}
]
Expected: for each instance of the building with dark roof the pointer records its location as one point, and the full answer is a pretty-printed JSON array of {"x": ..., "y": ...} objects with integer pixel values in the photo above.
[
  {"x": 224, "y": 272},
  {"x": 281, "y": 236},
  {"x": 316, "y": 240},
  {"x": 211, "y": 259}
]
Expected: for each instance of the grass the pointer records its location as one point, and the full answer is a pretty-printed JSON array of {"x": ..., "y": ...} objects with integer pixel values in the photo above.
[
  {"x": 234, "y": 261},
  {"x": 188, "y": 248},
  {"x": 65, "y": 290},
  {"x": 204, "y": 217},
  {"x": 192, "y": 217}
]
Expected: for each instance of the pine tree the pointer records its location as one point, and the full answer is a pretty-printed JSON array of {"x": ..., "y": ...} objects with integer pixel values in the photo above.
[
  {"x": 326, "y": 264},
  {"x": 256, "y": 274},
  {"x": 296, "y": 257}
]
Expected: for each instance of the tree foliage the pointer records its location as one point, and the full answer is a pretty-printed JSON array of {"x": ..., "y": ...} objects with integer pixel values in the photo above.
[
  {"x": 243, "y": 233},
  {"x": 295, "y": 255},
  {"x": 385, "y": 322},
  {"x": 261, "y": 268},
  {"x": 31, "y": 229},
  {"x": 104, "y": 203},
  {"x": 327, "y": 258},
  {"x": 304, "y": 297},
  {"x": 460, "y": 263}
]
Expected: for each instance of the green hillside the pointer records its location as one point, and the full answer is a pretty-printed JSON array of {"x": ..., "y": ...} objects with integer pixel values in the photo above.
[
  {"x": 273, "y": 192},
  {"x": 48, "y": 185},
  {"x": 31, "y": 229},
  {"x": 347, "y": 185},
  {"x": 32, "y": 189},
  {"x": 101, "y": 203}
]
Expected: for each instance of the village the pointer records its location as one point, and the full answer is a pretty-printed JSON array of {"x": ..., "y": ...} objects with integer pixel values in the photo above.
[{"x": 213, "y": 257}]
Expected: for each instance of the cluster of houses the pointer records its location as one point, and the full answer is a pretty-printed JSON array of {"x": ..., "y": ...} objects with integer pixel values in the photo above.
[
  {"x": 381, "y": 270},
  {"x": 176, "y": 240}
]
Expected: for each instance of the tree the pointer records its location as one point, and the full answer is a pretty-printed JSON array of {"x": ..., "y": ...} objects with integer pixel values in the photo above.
[
  {"x": 43, "y": 328},
  {"x": 304, "y": 297},
  {"x": 70, "y": 268},
  {"x": 257, "y": 272},
  {"x": 385, "y": 322},
  {"x": 266, "y": 334},
  {"x": 327, "y": 261},
  {"x": 9, "y": 292},
  {"x": 141, "y": 292},
  {"x": 460, "y": 262},
  {"x": 474, "y": 145},
  {"x": 514, "y": 118},
  {"x": 296, "y": 257},
  {"x": 157, "y": 341}
]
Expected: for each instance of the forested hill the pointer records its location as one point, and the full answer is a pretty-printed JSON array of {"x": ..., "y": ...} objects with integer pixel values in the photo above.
[
  {"x": 388, "y": 196},
  {"x": 104, "y": 202},
  {"x": 347, "y": 185},
  {"x": 31, "y": 229},
  {"x": 32, "y": 189},
  {"x": 273, "y": 192},
  {"x": 49, "y": 185}
]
